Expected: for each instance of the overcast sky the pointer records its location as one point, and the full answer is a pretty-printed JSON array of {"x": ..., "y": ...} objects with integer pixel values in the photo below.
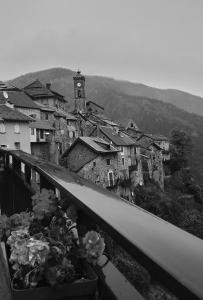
[{"x": 156, "y": 42}]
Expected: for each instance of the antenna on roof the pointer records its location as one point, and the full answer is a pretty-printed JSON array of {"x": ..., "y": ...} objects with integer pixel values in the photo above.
[{"x": 5, "y": 94}]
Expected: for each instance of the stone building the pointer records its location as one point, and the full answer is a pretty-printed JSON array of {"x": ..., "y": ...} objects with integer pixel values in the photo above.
[
  {"x": 125, "y": 145},
  {"x": 161, "y": 141},
  {"x": 94, "y": 159},
  {"x": 152, "y": 161}
]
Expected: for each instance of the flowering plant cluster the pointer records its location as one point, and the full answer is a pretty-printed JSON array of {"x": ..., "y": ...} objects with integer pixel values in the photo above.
[
  {"x": 51, "y": 252},
  {"x": 14, "y": 222}
]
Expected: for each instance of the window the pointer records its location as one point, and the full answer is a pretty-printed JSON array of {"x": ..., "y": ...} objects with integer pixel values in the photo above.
[
  {"x": 46, "y": 115},
  {"x": 2, "y": 128},
  {"x": 73, "y": 134},
  {"x": 123, "y": 161},
  {"x": 32, "y": 131},
  {"x": 108, "y": 162},
  {"x": 16, "y": 128},
  {"x": 122, "y": 149},
  {"x": 79, "y": 94},
  {"x": 17, "y": 145},
  {"x": 111, "y": 178},
  {"x": 41, "y": 134},
  {"x": 45, "y": 101}
]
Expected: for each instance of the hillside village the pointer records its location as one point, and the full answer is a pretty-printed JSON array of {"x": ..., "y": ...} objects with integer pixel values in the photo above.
[{"x": 115, "y": 156}]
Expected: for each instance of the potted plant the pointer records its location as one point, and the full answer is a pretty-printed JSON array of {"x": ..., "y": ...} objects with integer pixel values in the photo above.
[{"x": 46, "y": 257}]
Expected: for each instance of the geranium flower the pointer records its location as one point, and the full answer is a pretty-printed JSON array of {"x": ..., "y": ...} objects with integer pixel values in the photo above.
[{"x": 94, "y": 246}]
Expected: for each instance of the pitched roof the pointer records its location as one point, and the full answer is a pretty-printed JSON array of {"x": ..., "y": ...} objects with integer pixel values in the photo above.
[
  {"x": 119, "y": 139},
  {"x": 41, "y": 124},
  {"x": 96, "y": 144},
  {"x": 146, "y": 144},
  {"x": 7, "y": 86},
  {"x": 69, "y": 116},
  {"x": 45, "y": 107},
  {"x": 94, "y": 103},
  {"x": 156, "y": 137},
  {"x": 36, "y": 89},
  {"x": 3, "y": 85},
  {"x": 9, "y": 114},
  {"x": 111, "y": 123},
  {"x": 18, "y": 98}
]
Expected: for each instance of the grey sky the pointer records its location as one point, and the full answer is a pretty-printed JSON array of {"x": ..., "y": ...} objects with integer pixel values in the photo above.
[{"x": 156, "y": 42}]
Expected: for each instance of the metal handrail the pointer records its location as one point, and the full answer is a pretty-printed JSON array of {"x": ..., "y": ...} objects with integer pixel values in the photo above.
[{"x": 172, "y": 255}]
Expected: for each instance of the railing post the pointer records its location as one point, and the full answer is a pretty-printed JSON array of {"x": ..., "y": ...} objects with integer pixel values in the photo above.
[
  {"x": 7, "y": 159},
  {"x": 17, "y": 165},
  {"x": 27, "y": 174}
]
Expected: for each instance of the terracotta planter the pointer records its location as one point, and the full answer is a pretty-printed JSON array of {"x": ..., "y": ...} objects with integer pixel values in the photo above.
[{"x": 83, "y": 289}]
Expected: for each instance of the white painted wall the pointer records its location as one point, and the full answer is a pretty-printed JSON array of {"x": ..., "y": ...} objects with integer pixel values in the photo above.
[{"x": 10, "y": 137}]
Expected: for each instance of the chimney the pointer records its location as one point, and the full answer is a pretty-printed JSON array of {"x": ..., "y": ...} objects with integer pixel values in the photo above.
[{"x": 48, "y": 86}]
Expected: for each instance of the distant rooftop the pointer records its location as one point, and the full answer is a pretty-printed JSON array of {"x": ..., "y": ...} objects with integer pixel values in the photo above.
[
  {"x": 18, "y": 98},
  {"x": 9, "y": 114},
  {"x": 156, "y": 137},
  {"x": 41, "y": 124},
  {"x": 37, "y": 89},
  {"x": 99, "y": 145},
  {"x": 119, "y": 139},
  {"x": 96, "y": 144},
  {"x": 7, "y": 86}
]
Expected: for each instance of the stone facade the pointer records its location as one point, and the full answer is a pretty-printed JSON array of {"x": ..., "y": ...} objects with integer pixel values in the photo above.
[{"x": 102, "y": 170}]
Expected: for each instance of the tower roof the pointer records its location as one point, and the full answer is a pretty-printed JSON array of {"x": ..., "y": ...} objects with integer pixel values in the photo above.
[{"x": 79, "y": 76}]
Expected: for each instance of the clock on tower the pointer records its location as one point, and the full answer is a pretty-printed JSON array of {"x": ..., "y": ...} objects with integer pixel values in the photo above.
[{"x": 79, "y": 92}]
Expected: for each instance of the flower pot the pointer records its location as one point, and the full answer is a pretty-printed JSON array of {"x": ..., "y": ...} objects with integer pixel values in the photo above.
[{"x": 82, "y": 289}]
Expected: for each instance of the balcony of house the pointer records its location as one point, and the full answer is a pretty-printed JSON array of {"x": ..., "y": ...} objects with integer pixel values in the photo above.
[
  {"x": 41, "y": 131},
  {"x": 169, "y": 255}
]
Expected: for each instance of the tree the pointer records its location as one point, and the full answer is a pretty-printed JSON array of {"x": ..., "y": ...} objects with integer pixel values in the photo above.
[{"x": 180, "y": 148}]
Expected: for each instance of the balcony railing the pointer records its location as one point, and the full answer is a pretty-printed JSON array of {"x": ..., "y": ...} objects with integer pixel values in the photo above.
[{"x": 171, "y": 255}]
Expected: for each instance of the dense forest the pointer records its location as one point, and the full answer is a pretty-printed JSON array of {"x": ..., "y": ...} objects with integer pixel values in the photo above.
[{"x": 181, "y": 203}]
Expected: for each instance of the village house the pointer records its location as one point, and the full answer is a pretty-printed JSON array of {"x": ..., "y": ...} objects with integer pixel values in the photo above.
[
  {"x": 123, "y": 143},
  {"x": 161, "y": 141},
  {"x": 132, "y": 129},
  {"x": 42, "y": 140},
  {"x": 20, "y": 100},
  {"x": 94, "y": 159},
  {"x": 14, "y": 129},
  {"x": 43, "y": 94},
  {"x": 46, "y": 120},
  {"x": 52, "y": 106},
  {"x": 152, "y": 161}
]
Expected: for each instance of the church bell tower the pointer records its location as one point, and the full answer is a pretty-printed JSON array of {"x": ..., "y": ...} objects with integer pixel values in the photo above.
[{"x": 79, "y": 93}]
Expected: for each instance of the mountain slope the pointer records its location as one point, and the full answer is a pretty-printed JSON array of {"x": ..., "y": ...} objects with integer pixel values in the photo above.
[
  {"x": 62, "y": 80},
  {"x": 151, "y": 115}
]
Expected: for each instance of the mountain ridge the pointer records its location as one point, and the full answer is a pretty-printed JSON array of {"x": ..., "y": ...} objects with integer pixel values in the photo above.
[{"x": 184, "y": 100}]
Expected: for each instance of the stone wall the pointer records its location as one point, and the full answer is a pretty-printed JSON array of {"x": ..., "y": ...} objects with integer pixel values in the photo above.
[
  {"x": 79, "y": 156},
  {"x": 155, "y": 165},
  {"x": 97, "y": 170}
]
